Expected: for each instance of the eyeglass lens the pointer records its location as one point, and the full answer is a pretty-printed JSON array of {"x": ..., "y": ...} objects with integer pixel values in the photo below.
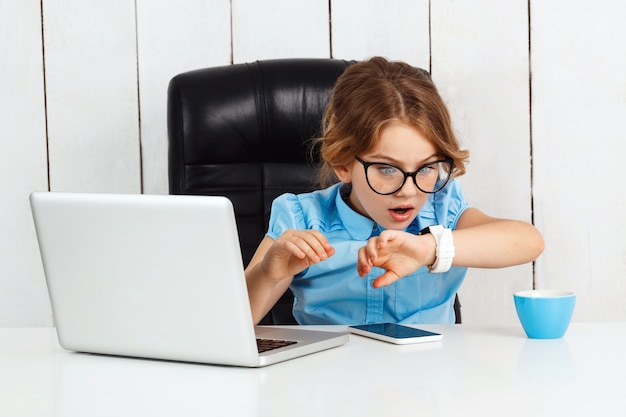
[{"x": 387, "y": 179}]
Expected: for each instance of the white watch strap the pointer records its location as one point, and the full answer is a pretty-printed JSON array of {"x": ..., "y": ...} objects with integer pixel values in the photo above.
[{"x": 445, "y": 249}]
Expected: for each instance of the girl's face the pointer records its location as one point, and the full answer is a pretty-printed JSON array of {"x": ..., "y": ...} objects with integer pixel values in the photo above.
[{"x": 405, "y": 147}]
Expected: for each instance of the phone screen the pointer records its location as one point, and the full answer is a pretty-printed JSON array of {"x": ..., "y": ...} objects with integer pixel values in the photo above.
[{"x": 395, "y": 331}]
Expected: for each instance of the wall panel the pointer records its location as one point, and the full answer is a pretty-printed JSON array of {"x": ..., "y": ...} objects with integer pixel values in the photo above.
[
  {"x": 108, "y": 61},
  {"x": 91, "y": 73},
  {"x": 173, "y": 36},
  {"x": 396, "y": 30},
  {"x": 579, "y": 104},
  {"x": 280, "y": 29},
  {"x": 23, "y": 166},
  {"x": 480, "y": 64}
]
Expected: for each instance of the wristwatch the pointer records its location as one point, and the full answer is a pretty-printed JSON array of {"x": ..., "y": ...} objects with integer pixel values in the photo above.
[{"x": 445, "y": 248}]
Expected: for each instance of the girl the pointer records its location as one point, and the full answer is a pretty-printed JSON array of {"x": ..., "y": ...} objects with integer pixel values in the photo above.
[{"x": 392, "y": 240}]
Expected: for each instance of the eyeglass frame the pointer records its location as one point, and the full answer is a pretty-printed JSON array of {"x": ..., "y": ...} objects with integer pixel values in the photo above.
[{"x": 412, "y": 174}]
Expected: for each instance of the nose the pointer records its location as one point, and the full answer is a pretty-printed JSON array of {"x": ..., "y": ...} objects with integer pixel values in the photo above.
[{"x": 409, "y": 188}]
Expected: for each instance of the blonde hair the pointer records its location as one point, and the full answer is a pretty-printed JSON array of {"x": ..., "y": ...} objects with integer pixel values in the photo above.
[{"x": 371, "y": 95}]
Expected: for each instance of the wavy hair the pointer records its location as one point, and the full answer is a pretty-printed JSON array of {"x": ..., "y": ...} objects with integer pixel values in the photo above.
[{"x": 371, "y": 95}]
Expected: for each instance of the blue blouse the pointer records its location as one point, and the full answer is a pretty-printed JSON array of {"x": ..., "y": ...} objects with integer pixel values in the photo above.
[{"x": 332, "y": 292}]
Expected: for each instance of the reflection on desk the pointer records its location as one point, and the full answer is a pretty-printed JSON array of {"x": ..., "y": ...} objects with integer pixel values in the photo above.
[{"x": 475, "y": 370}]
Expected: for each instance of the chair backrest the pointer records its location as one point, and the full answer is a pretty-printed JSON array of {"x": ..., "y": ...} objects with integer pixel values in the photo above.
[{"x": 243, "y": 131}]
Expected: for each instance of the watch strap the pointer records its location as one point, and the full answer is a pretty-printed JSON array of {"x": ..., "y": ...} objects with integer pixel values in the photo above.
[{"x": 444, "y": 252}]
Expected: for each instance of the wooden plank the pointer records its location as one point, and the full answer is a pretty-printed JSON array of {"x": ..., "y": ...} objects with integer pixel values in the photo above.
[
  {"x": 23, "y": 166},
  {"x": 280, "y": 29},
  {"x": 480, "y": 64},
  {"x": 579, "y": 102},
  {"x": 91, "y": 73},
  {"x": 398, "y": 30},
  {"x": 197, "y": 35}
]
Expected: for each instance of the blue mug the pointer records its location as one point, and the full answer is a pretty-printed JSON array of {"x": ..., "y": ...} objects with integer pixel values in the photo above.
[{"x": 545, "y": 314}]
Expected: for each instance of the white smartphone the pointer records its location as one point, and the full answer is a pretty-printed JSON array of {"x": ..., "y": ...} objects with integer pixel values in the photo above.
[{"x": 395, "y": 333}]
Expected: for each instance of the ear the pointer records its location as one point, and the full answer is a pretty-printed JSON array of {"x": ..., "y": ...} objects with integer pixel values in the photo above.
[{"x": 344, "y": 174}]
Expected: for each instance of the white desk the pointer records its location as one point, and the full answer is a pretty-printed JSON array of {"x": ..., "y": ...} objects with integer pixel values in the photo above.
[{"x": 474, "y": 371}]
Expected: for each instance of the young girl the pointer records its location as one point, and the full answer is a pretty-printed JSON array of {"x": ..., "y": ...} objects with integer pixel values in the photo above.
[{"x": 391, "y": 242}]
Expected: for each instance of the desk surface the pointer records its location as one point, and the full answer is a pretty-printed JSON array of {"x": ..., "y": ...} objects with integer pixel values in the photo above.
[{"x": 475, "y": 370}]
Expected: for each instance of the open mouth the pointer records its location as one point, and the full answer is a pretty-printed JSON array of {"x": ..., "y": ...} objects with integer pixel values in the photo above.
[
  {"x": 400, "y": 210},
  {"x": 401, "y": 214}
]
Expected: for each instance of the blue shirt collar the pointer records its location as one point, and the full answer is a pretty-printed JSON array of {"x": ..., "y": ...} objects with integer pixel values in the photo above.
[{"x": 357, "y": 225}]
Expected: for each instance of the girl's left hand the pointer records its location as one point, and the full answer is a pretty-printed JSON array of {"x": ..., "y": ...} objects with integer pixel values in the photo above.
[{"x": 399, "y": 253}]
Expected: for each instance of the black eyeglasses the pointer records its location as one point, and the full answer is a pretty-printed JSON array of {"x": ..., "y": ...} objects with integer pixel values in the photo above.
[{"x": 387, "y": 179}]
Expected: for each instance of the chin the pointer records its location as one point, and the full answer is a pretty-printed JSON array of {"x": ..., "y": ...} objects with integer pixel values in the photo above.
[{"x": 393, "y": 225}]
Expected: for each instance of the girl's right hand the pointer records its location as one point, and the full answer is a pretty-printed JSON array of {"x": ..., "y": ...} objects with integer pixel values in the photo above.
[{"x": 293, "y": 252}]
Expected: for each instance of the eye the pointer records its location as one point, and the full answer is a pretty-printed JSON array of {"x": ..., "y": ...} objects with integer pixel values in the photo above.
[
  {"x": 387, "y": 170},
  {"x": 426, "y": 170}
]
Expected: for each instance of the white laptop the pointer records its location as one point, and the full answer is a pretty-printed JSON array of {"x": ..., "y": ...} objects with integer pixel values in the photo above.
[{"x": 155, "y": 277}]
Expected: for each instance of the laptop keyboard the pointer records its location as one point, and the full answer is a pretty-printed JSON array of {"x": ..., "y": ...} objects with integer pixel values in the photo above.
[{"x": 264, "y": 345}]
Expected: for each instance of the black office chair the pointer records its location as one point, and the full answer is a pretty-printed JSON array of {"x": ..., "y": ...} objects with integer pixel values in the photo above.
[{"x": 243, "y": 131}]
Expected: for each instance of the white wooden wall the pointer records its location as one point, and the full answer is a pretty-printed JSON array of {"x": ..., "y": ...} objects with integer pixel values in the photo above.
[
  {"x": 578, "y": 58},
  {"x": 481, "y": 66},
  {"x": 23, "y": 163},
  {"x": 82, "y": 108}
]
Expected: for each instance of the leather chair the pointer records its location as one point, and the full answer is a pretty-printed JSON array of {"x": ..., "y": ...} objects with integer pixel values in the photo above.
[{"x": 242, "y": 131}]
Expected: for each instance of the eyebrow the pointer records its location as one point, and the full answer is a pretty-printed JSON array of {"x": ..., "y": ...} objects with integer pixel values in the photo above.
[{"x": 386, "y": 159}]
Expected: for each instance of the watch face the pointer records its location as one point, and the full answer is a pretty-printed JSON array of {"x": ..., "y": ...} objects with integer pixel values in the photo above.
[
  {"x": 424, "y": 231},
  {"x": 428, "y": 229}
]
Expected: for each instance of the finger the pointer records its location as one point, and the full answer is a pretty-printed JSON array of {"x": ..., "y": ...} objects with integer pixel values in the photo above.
[
  {"x": 318, "y": 243},
  {"x": 326, "y": 247},
  {"x": 294, "y": 250},
  {"x": 385, "y": 279},
  {"x": 382, "y": 239},
  {"x": 385, "y": 238},
  {"x": 372, "y": 249},
  {"x": 363, "y": 265},
  {"x": 309, "y": 252},
  {"x": 313, "y": 249}
]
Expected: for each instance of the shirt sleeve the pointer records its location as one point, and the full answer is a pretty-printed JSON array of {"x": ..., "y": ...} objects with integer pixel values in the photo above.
[
  {"x": 450, "y": 204},
  {"x": 286, "y": 214}
]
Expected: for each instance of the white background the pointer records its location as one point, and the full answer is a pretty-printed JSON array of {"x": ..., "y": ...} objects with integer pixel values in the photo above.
[{"x": 536, "y": 88}]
